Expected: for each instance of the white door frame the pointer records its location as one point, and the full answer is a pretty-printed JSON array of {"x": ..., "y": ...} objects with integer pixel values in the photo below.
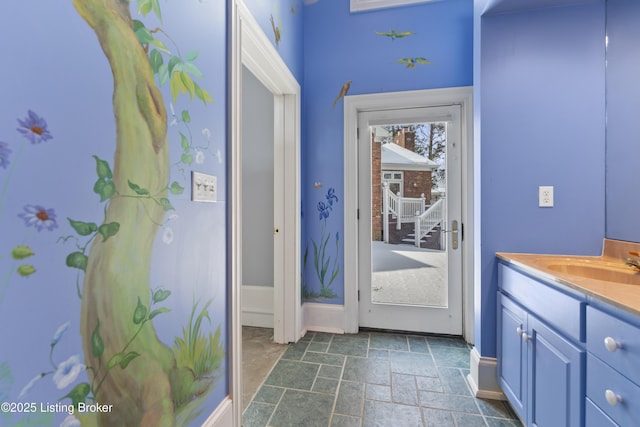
[
  {"x": 355, "y": 104},
  {"x": 251, "y": 47}
]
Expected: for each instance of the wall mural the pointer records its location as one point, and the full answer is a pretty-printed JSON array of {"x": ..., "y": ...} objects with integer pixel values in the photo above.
[{"x": 123, "y": 368}]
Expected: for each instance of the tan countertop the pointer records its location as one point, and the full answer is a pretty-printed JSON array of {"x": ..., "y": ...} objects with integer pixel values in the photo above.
[{"x": 623, "y": 293}]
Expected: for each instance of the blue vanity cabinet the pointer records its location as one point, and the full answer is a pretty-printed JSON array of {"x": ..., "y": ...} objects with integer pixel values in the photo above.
[
  {"x": 541, "y": 352},
  {"x": 613, "y": 367}
]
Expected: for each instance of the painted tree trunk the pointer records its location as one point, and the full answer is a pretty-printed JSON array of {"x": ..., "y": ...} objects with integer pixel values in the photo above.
[{"x": 117, "y": 274}]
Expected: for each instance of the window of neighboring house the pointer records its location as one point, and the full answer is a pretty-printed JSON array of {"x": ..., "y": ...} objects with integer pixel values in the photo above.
[{"x": 361, "y": 5}]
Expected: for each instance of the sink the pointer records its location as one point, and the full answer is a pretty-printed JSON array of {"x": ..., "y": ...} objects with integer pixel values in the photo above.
[{"x": 608, "y": 273}]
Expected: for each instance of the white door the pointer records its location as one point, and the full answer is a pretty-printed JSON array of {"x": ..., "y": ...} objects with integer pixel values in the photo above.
[{"x": 402, "y": 286}]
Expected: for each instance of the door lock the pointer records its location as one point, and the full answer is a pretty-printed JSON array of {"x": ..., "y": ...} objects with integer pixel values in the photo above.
[
  {"x": 276, "y": 230},
  {"x": 454, "y": 234}
]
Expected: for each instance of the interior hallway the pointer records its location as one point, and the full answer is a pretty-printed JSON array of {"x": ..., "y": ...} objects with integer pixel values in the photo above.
[{"x": 373, "y": 379}]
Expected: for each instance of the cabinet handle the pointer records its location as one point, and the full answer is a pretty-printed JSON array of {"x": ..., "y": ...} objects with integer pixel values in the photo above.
[
  {"x": 519, "y": 331},
  {"x": 611, "y": 344},
  {"x": 612, "y": 398},
  {"x": 525, "y": 337}
]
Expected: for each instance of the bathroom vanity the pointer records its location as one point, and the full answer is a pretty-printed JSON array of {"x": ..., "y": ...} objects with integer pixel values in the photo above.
[{"x": 569, "y": 337}]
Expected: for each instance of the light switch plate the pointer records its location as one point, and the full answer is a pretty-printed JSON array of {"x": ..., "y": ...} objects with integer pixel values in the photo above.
[{"x": 204, "y": 188}]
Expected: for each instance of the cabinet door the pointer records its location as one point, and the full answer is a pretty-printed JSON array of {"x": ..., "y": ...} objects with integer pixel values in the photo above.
[
  {"x": 512, "y": 355},
  {"x": 556, "y": 386}
]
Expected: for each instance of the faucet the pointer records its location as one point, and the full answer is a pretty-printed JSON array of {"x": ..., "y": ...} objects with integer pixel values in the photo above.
[{"x": 633, "y": 261}]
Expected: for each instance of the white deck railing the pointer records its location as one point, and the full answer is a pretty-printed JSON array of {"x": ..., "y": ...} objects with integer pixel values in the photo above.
[
  {"x": 405, "y": 209},
  {"x": 429, "y": 220}
]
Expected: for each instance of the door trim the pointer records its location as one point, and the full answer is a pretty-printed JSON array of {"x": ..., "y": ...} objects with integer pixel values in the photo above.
[
  {"x": 355, "y": 104},
  {"x": 249, "y": 46}
]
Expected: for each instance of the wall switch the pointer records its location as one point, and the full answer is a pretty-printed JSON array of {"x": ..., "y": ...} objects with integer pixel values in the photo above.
[
  {"x": 545, "y": 196},
  {"x": 203, "y": 187}
]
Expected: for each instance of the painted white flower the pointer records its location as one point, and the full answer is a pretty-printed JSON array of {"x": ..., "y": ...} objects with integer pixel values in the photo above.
[
  {"x": 67, "y": 372},
  {"x": 59, "y": 333},
  {"x": 199, "y": 157},
  {"x": 206, "y": 132},
  {"x": 219, "y": 156},
  {"x": 172, "y": 217},
  {"x": 71, "y": 421},
  {"x": 167, "y": 236},
  {"x": 25, "y": 389}
]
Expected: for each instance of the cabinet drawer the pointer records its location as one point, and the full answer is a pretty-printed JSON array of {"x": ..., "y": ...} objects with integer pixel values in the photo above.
[
  {"x": 556, "y": 308},
  {"x": 625, "y": 358},
  {"x": 602, "y": 379},
  {"x": 595, "y": 417}
]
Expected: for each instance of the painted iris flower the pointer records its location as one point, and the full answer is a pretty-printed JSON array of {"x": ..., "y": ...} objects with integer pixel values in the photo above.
[
  {"x": 39, "y": 217},
  {"x": 4, "y": 154},
  {"x": 34, "y": 128},
  {"x": 331, "y": 196},
  {"x": 67, "y": 372},
  {"x": 324, "y": 210}
]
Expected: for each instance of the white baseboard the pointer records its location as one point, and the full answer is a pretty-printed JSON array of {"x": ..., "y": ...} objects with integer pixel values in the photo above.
[
  {"x": 222, "y": 416},
  {"x": 257, "y": 306},
  {"x": 323, "y": 318},
  {"x": 483, "y": 377}
]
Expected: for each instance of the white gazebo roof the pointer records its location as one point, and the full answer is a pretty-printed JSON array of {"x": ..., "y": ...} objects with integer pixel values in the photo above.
[{"x": 395, "y": 157}]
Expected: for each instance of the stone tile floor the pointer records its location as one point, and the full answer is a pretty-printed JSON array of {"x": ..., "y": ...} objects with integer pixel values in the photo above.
[{"x": 373, "y": 379}]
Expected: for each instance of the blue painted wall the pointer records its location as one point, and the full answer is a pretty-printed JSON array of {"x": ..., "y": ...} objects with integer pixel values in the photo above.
[
  {"x": 623, "y": 111},
  {"x": 542, "y": 123},
  {"x": 338, "y": 47},
  {"x": 287, "y": 20},
  {"x": 56, "y": 114}
]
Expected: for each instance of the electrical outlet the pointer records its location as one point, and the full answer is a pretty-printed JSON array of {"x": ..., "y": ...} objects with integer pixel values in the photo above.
[
  {"x": 203, "y": 187},
  {"x": 545, "y": 196}
]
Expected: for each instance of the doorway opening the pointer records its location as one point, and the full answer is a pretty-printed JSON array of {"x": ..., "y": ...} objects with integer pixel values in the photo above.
[{"x": 453, "y": 107}]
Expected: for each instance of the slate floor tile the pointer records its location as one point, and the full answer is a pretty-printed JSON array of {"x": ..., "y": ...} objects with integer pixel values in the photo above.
[{"x": 302, "y": 408}]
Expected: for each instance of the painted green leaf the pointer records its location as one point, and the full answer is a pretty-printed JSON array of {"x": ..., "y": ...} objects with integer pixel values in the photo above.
[
  {"x": 114, "y": 361},
  {"x": 159, "y": 44},
  {"x": 156, "y": 9},
  {"x": 188, "y": 84},
  {"x": 144, "y": 36},
  {"x": 173, "y": 62},
  {"x": 103, "y": 168},
  {"x": 109, "y": 230},
  {"x": 78, "y": 394},
  {"x": 203, "y": 94},
  {"x": 192, "y": 69},
  {"x": 176, "y": 188},
  {"x": 97, "y": 344},
  {"x": 161, "y": 295},
  {"x": 155, "y": 58},
  {"x": 140, "y": 313},
  {"x": 21, "y": 252},
  {"x": 26, "y": 270},
  {"x": 191, "y": 56},
  {"x": 176, "y": 85},
  {"x": 166, "y": 204},
  {"x": 186, "y": 158},
  {"x": 163, "y": 74},
  {"x": 83, "y": 228},
  {"x": 107, "y": 191},
  {"x": 139, "y": 190},
  {"x": 186, "y": 117},
  {"x": 184, "y": 142},
  {"x": 77, "y": 260},
  {"x": 128, "y": 358},
  {"x": 158, "y": 311},
  {"x": 144, "y": 7}
]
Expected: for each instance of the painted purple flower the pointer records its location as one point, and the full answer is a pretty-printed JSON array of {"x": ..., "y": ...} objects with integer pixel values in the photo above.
[
  {"x": 331, "y": 196},
  {"x": 324, "y": 210},
  {"x": 39, "y": 217},
  {"x": 4, "y": 154},
  {"x": 34, "y": 128},
  {"x": 67, "y": 372}
]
